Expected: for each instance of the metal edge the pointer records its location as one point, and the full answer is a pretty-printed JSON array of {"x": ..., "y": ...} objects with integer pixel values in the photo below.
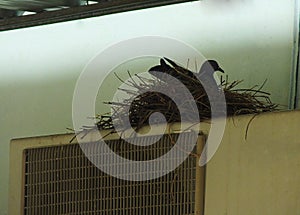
[{"x": 293, "y": 91}]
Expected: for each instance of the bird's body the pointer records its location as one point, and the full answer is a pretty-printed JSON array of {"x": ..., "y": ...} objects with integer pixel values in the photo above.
[{"x": 164, "y": 71}]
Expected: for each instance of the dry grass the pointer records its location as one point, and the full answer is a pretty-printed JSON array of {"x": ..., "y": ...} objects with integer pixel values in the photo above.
[{"x": 145, "y": 100}]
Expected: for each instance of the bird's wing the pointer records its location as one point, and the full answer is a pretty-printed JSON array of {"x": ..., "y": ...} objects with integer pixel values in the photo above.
[
  {"x": 163, "y": 71},
  {"x": 180, "y": 69}
]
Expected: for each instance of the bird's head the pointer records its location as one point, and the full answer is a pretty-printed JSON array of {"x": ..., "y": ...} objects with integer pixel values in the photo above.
[{"x": 211, "y": 65}]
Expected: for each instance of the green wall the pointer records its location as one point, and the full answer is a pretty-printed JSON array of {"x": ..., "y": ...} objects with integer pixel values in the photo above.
[{"x": 40, "y": 65}]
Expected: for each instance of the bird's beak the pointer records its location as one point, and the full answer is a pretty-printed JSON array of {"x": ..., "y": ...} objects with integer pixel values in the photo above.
[{"x": 221, "y": 70}]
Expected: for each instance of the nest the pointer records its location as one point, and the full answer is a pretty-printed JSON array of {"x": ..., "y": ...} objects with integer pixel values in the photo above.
[{"x": 145, "y": 99}]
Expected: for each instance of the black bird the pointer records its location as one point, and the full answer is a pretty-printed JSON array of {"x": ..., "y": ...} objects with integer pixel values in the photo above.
[
  {"x": 184, "y": 75},
  {"x": 204, "y": 79}
]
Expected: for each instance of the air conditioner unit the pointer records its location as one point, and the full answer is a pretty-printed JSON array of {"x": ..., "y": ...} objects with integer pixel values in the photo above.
[{"x": 50, "y": 175}]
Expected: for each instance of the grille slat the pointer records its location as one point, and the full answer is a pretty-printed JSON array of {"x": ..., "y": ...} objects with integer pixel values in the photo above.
[{"x": 60, "y": 180}]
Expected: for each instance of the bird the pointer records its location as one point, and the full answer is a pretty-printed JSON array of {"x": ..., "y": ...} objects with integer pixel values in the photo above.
[
  {"x": 203, "y": 81},
  {"x": 184, "y": 75}
]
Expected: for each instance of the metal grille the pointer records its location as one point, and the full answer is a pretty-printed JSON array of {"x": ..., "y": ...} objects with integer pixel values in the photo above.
[
  {"x": 104, "y": 7},
  {"x": 61, "y": 180},
  {"x": 35, "y": 4}
]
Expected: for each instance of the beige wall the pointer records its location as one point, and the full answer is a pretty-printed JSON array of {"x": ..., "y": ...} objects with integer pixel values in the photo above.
[{"x": 260, "y": 175}]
